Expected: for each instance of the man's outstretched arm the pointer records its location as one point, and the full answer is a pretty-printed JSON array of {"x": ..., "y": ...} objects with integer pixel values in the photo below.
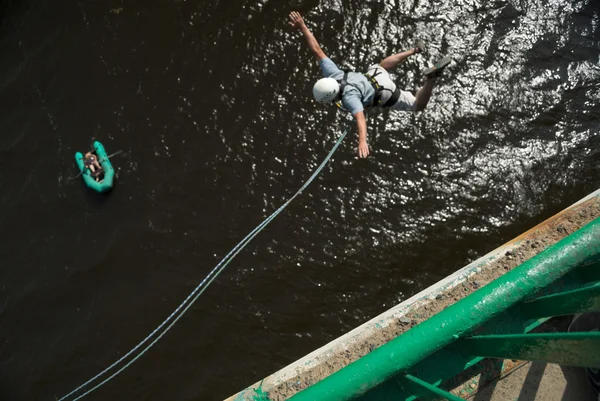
[
  {"x": 297, "y": 22},
  {"x": 361, "y": 124}
]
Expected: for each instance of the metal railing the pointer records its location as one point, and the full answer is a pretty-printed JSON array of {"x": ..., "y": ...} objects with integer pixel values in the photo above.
[{"x": 492, "y": 322}]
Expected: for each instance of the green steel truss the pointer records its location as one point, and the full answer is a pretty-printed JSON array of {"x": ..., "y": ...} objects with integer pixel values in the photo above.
[{"x": 492, "y": 322}]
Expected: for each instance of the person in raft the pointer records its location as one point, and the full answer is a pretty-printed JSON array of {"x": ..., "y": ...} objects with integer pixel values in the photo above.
[
  {"x": 91, "y": 161},
  {"x": 355, "y": 91}
]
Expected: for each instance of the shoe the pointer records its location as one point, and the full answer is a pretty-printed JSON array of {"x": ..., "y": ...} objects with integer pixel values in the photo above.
[
  {"x": 419, "y": 47},
  {"x": 437, "y": 68}
]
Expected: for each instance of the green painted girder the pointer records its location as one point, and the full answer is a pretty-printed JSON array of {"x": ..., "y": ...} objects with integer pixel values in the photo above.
[
  {"x": 437, "y": 332},
  {"x": 582, "y": 276},
  {"x": 568, "y": 349},
  {"x": 425, "y": 390},
  {"x": 585, "y": 299}
]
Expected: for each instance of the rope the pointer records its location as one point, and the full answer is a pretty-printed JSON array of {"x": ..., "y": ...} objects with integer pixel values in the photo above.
[{"x": 194, "y": 295}]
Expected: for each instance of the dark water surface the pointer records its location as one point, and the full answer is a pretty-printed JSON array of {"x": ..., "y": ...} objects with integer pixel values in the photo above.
[{"x": 211, "y": 101}]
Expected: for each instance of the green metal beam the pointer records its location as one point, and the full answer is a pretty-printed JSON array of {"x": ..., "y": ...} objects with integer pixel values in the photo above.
[
  {"x": 426, "y": 390},
  {"x": 437, "y": 332},
  {"x": 568, "y": 349},
  {"x": 585, "y": 299}
]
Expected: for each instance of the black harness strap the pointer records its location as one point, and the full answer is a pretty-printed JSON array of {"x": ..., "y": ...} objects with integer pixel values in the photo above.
[
  {"x": 343, "y": 83},
  {"x": 393, "y": 99}
]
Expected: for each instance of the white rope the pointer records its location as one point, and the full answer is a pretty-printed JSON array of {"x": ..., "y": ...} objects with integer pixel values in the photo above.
[{"x": 195, "y": 294}]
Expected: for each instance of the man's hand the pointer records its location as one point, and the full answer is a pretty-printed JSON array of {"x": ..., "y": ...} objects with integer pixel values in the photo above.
[
  {"x": 296, "y": 20},
  {"x": 363, "y": 149}
]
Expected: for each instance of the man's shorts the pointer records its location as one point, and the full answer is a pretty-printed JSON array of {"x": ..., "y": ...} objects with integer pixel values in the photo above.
[{"x": 406, "y": 101}]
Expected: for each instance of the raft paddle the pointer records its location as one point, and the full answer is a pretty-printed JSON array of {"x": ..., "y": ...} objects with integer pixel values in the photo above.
[{"x": 118, "y": 152}]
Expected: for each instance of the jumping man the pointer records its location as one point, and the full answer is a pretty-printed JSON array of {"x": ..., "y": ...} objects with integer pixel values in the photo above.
[{"x": 355, "y": 91}]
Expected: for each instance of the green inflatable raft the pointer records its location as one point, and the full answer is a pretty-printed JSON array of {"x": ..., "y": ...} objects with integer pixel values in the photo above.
[{"x": 103, "y": 180}]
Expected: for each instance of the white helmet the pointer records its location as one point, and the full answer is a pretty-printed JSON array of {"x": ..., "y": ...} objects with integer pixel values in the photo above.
[{"x": 326, "y": 90}]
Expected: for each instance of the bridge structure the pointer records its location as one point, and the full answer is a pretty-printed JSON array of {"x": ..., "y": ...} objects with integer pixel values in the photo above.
[{"x": 469, "y": 328}]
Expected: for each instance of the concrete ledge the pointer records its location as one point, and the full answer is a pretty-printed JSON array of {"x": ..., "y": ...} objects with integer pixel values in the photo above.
[
  {"x": 522, "y": 380},
  {"x": 539, "y": 381}
]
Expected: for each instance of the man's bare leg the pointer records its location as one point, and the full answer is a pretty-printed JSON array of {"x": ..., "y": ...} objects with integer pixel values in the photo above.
[
  {"x": 392, "y": 61},
  {"x": 431, "y": 73},
  {"x": 424, "y": 94}
]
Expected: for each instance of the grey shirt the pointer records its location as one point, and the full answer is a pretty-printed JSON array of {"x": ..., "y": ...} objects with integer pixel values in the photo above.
[{"x": 354, "y": 99}]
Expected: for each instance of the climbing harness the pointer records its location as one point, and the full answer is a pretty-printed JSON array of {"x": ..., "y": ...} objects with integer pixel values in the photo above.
[
  {"x": 195, "y": 294},
  {"x": 379, "y": 91},
  {"x": 376, "y": 87}
]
